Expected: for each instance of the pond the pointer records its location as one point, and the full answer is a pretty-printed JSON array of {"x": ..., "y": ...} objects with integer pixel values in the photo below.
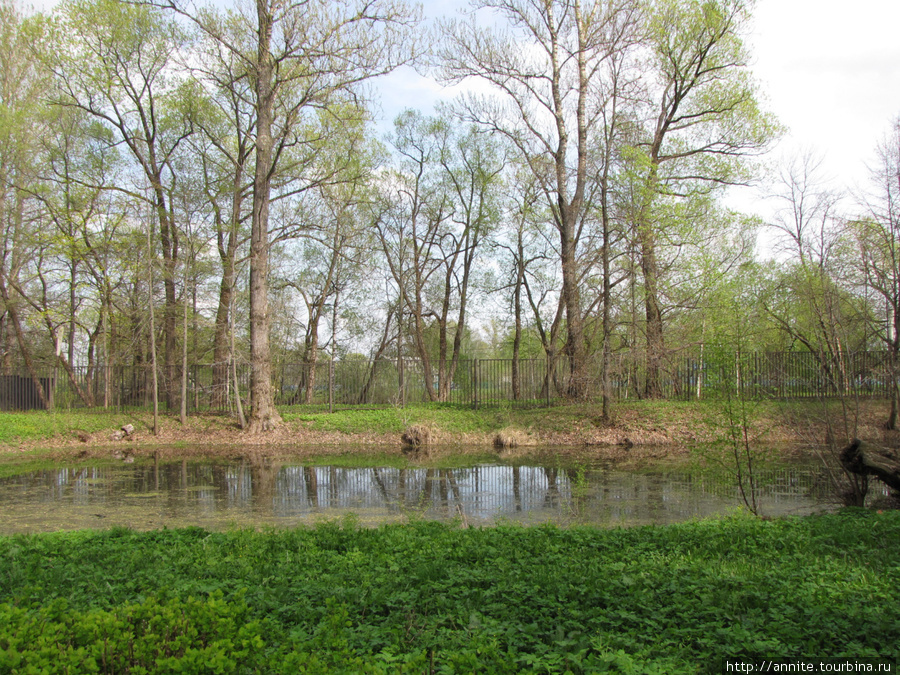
[{"x": 241, "y": 493}]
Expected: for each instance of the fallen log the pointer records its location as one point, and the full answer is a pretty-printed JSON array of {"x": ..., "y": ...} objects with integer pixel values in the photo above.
[{"x": 865, "y": 459}]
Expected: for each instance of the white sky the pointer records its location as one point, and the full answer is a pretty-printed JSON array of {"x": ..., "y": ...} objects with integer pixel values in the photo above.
[{"x": 830, "y": 71}]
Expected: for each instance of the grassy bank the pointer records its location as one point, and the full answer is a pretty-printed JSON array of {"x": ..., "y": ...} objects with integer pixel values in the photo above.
[
  {"x": 636, "y": 423},
  {"x": 432, "y": 598}
]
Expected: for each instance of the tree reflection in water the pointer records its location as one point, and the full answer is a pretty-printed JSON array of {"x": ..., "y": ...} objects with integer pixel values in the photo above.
[{"x": 258, "y": 491}]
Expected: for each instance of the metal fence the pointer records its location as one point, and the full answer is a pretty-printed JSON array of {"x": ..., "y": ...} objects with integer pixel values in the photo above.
[{"x": 474, "y": 382}]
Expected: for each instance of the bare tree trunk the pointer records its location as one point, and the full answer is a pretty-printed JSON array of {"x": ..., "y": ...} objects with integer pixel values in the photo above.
[
  {"x": 152, "y": 336},
  {"x": 263, "y": 414},
  {"x": 517, "y": 310},
  {"x": 606, "y": 413},
  {"x": 419, "y": 335},
  {"x": 653, "y": 315},
  {"x": 168, "y": 238},
  {"x": 237, "y": 390},
  {"x": 310, "y": 361},
  {"x": 8, "y": 341},
  {"x": 107, "y": 357},
  {"x": 443, "y": 393},
  {"x": 894, "y": 350},
  {"x": 575, "y": 347},
  {"x": 184, "y": 353},
  {"x": 221, "y": 342}
]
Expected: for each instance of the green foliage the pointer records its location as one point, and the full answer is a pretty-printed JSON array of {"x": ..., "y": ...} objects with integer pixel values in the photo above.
[
  {"x": 350, "y": 421},
  {"x": 674, "y": 599},
  {"x": 447, "y": 417},
  {"x": 24, "y": 426},
  {"x": 816, "y": 312},
  {"x": 208, "y": 635}
]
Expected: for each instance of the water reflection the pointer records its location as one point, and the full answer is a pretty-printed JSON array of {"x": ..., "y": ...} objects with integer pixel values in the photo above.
[{"x": 244, "y": 493}]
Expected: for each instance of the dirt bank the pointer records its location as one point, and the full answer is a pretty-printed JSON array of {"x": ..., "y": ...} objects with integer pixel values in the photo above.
[{"x": 640, "y": 429}]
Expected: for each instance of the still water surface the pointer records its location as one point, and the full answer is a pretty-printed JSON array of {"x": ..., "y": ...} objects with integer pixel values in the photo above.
[{"x": 257, "y": 494}]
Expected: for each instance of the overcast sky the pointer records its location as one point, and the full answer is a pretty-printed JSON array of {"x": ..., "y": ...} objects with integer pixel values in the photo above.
[{"x": 830, "y": 71}]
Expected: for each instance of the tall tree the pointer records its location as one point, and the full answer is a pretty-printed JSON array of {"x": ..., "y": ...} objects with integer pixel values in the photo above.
[
  {"x": 116, "y": 62},
  {"x": 703, "y": 122},
  {"x": 471, "y": 165},
  {"x": 224, "y": 117},
  {"x": 878, "y": 237},
  {"x": 444, "y": 201},
  {"x": 543, "y": 68},
  {"x": 22, "y": 84},
  {"x": 75, "y": 162},
  {"x": 615, "y": 128},
  {"x": 320, "y": 265},
  {"x": 300, "y": 59},
  {"x": 809, "y": 300},
  {"x": 517, "y": 239}
]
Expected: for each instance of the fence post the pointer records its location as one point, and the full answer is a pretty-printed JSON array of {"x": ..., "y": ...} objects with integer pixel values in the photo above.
[{"x": 475, "y": 382}]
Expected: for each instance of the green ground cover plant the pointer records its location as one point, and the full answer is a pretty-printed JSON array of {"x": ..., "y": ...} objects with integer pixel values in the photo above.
[
  {"x": 447, "y": 417},
  {"x": 16, "y": 427},
  {"x": 428, "y": 597}
]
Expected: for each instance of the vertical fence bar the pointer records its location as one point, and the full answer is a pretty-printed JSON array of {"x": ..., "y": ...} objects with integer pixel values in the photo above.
[{"x": 479, "y": 383}]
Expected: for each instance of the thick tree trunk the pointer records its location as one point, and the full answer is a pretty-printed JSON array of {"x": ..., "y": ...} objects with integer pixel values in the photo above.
[
  {"x": 863, "y": 459},
  {"x": 575, "y": 347},
  {"x": 8, "y": 341},
  {"x": 168, "y": 239},
  {"x": 419, "y": 328},
  {"x": 653, "y": 314},
  {"x": 607, "y": 327},
  {"x": 221, "y": 344},
  {"x": 891, "y": 423},
  {"x": 606, "y": 389},
  {"x": 650, "y": 271},
  {"x": 263, "y": 414},
  {"x": 310, "y": 360}
]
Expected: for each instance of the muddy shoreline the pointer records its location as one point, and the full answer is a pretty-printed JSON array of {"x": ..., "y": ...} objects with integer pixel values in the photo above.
[{"x": 638, "y": 432}]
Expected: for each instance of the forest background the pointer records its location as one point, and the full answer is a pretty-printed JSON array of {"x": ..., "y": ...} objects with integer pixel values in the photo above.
[{"x": 184, "y": 185}]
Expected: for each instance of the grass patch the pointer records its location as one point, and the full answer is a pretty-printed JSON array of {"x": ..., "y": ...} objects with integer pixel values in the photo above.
[
  {"x": 16, "y": 427},
  {"x": 382, "y": 421},
  {"x": 427, "y": 597},
  {"x": 445, "y": 417}
]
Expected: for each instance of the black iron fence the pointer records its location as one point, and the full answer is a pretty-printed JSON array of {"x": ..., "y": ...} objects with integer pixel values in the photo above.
[{"x": 475, "y": 382}]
